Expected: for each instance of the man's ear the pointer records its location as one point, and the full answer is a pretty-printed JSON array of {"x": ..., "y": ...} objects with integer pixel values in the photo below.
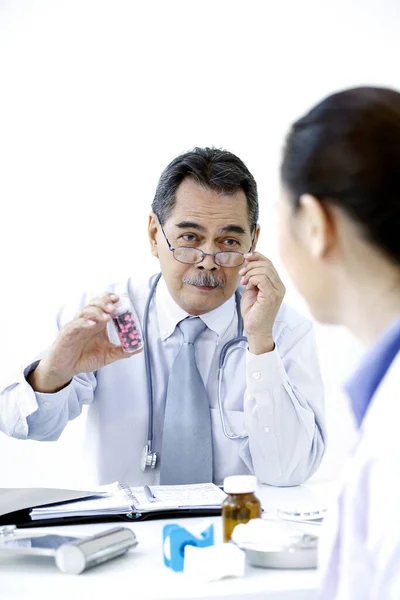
[
  {"x": 255, "y": 236},
  {"x": 152, "y": 233},
  {"x": 317, "y": 226}
]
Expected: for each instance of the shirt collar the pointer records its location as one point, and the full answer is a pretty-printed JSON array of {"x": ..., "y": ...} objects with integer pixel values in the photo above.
[
  {"x": 169, "y": 313},
  {"x": 363, "y": 384}
]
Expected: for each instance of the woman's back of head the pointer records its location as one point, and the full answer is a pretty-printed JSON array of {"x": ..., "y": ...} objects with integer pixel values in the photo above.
[{"x": 346, "y": 152}]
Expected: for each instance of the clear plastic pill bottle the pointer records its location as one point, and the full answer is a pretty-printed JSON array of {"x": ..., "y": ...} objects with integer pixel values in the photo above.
[{"x": 127, "y": 324}]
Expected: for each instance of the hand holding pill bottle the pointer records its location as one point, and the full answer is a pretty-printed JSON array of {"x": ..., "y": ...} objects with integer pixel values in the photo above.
[{"x": 83, "y": 344}]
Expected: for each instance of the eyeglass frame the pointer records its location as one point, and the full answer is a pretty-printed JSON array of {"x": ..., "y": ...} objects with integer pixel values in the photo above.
[{"x": 204, "y": 254}]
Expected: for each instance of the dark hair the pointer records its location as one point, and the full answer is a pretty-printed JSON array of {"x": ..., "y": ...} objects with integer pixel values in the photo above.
[
  {"x": 216, "y": 169},
  {"x": 346, "y": 152}
]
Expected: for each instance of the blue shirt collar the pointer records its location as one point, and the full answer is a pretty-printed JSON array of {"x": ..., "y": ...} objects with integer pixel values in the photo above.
[{"x": 364, "y": 383}]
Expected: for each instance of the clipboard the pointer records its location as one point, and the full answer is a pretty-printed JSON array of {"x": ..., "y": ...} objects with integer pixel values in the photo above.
[
  {"x": 118, "y": 502},
  {"x": 22, "y": 519}
]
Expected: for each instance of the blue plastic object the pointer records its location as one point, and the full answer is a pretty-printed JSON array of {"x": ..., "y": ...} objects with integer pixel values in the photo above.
[{"x": 178, "y": 538}]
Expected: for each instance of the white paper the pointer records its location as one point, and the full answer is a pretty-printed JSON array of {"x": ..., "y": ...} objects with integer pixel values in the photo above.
[
  {"x": 196, "y": 495},
  {"x": 117, "y": 499}
]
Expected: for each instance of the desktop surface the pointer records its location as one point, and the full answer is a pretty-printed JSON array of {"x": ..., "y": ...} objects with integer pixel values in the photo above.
[{"x": 141, "y": 574}]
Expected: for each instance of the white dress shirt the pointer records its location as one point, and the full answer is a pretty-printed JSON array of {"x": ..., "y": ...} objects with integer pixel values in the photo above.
[{"x": 276, "y": 399}]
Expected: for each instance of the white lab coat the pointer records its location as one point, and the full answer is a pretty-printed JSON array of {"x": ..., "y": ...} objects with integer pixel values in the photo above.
[
  {"x": 276, "y": 399},
  {"x": 360, "y": 543}
]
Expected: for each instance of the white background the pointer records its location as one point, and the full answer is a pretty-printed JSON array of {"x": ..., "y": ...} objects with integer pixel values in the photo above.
[{"x": 97, "y": 97}]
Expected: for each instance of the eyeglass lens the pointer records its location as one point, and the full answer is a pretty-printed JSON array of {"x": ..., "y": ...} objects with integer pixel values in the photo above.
[{"x": 194, "y": 255}]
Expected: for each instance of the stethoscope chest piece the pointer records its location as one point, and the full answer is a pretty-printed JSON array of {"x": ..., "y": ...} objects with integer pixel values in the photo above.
[{"x": 149, "y": 458}]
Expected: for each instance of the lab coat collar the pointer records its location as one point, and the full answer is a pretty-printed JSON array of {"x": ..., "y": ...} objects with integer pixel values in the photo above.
[{"x": 169, "y": 313}]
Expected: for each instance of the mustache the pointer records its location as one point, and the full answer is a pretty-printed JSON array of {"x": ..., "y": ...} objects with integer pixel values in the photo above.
[{"x": 205, "y": 280}]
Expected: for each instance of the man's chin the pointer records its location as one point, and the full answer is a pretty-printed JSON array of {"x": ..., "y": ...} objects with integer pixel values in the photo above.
[{"x": 203, "y": 299}]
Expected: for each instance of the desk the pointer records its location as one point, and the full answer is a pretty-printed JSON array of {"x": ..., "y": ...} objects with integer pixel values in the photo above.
[{"x": 141, "y": 573}]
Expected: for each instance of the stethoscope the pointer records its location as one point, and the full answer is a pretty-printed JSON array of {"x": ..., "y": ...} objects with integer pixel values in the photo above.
[{"x": 149, "y": 457}]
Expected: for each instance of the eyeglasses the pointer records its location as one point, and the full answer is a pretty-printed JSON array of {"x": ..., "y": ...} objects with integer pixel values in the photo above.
[{"x": 193, "y": 256}]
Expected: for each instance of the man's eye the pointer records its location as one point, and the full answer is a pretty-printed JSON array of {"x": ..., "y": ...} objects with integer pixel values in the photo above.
[
  {"x": 188, "y": 237},
  {"x": 231, "y": 243}
]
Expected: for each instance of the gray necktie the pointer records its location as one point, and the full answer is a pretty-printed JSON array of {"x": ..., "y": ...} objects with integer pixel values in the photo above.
[{"x": 186, "y": 455}]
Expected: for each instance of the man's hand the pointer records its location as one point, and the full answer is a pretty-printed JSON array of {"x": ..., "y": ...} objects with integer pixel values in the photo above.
[
  {"x": 262, "y": 297},
  {"x": 82, "y": 346}
]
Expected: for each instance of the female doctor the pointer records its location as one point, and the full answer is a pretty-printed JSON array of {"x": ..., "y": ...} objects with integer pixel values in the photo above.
[{"x": 339, "y": 236}]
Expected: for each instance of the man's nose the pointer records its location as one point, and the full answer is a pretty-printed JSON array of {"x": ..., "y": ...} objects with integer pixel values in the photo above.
[{"x": 208, "y": 263}]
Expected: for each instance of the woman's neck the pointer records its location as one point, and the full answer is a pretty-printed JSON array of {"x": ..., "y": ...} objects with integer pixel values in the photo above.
[{"x": 371, "y": 301}]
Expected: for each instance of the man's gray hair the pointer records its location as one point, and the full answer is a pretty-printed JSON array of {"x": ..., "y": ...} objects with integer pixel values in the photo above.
[{"x": 212, "y": 168}]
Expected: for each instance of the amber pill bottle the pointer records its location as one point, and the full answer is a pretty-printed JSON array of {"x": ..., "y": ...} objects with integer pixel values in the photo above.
[{"x": 241, "y": 504}]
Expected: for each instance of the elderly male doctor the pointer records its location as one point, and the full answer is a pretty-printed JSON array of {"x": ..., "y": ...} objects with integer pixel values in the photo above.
[{"x": 166, "y": 417}]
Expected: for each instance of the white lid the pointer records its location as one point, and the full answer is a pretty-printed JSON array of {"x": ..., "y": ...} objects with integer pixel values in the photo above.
[
  {"x": 123, "y": 304},
  {"x": 240, "y": 484}
]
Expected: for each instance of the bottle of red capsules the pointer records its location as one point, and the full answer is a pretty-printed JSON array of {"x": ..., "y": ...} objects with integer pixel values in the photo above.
[{"x": 127, "y": 324}]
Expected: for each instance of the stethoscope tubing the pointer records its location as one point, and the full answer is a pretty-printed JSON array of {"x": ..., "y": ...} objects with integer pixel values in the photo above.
[{"x": 240, "y": 338}]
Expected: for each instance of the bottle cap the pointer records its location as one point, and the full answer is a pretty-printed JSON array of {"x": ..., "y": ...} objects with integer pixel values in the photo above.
[
  {"x": 123, "y": 304},
  {"x": 240, "y": 484}
]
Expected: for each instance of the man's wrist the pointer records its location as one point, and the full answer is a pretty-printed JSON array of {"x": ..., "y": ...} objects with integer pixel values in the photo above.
[
  {"x": 43, "y": 381},
  {"x": 260, "y": 344}
]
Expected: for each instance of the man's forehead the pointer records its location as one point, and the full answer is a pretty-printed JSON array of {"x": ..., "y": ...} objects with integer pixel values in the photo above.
[{"x": 205, "y": 208}]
